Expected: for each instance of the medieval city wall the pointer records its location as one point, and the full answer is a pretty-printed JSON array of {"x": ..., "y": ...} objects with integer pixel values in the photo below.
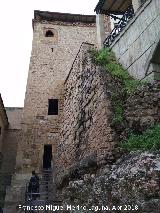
[
  {"x": 135, "y": 45},
  {"x": 86, "y": 135}
]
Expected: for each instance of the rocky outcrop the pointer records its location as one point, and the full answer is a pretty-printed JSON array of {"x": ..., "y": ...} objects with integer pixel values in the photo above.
[{"x": 133, "y": 182}]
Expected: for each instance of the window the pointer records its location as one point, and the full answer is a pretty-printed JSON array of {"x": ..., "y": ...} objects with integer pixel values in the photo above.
[
  {"x": 0, "y": 130},
  {"x": 49, "y": 33},
  {"x": 53, "y": 107}
]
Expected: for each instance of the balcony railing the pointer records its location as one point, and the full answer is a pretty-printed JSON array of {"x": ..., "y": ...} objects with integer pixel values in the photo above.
[{"x": 120, "y": 26}]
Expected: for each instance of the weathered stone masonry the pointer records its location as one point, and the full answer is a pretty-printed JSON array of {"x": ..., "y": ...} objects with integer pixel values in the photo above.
[
  {"x": 12, "y": 137},
  {"x": 51, "y": 61},
  {"x": 86, "y": 135},
  {"x": 142, "y": 109}
]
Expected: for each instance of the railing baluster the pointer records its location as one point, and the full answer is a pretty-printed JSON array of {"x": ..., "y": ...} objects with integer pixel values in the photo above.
[{"x": 120, "y": 26}]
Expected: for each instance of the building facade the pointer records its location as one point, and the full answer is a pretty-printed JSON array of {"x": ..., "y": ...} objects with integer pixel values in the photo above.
[
  {"x": 135, "y": 38},
  {"x": 66, "y": 120},
  {"x": 57, "y": 38}
]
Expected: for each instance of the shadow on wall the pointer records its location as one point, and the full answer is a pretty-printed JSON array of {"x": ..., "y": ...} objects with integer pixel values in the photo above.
[{"x": 153, "y": 63}]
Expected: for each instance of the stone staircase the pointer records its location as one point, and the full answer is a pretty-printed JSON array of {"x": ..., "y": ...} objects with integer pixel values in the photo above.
[{"x": 45, "y": 196}]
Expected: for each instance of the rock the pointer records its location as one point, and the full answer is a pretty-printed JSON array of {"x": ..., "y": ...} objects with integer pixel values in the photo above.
[{"x": 133, "y": 180}]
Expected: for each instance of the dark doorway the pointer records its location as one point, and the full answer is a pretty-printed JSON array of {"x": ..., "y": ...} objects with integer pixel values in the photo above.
[{"x": 47, "y": 156}]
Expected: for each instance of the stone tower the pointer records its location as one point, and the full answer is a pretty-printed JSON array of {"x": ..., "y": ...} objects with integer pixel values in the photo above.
[{"x": 56, "y": 40}]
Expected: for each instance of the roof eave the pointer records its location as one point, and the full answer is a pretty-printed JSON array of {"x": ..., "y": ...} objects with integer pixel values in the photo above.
[{"x": 99, "y": 6}]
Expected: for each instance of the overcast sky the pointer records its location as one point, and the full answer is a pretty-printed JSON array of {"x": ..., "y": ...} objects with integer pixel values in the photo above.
[{"x": 16, "y": 40}]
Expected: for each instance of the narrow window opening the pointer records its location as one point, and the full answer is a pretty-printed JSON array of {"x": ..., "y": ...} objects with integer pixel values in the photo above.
[
  {"x": 53, "y": 107},
  {"x": 52, "y": 49},
  {"x": 49, "y": 33},
  {"x": 0, "y": 130}
]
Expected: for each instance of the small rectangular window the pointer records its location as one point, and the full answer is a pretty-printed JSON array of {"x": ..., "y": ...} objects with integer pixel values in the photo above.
[
  {"x": 53, "y": 107},
  {"x": 0, "y": 130}
]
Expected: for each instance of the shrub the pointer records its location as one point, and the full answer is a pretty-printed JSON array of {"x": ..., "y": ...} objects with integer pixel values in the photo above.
[
  {"x": 107, "y": 59},
  {"x": 149, "y": 140}
]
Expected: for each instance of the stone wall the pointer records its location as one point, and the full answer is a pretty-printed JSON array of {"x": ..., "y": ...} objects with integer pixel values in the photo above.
[
  {"x": 14, "y": 115},
  {"x": 142, "y": 109},
  {"x": 9, "y": 150},
  {"x": 1, "y": 134},
  {"x": 11, "y": 140},
  {"x": 3, "y": 125},
  {"x": 135, "y": 45},
  {"x": 130, "y": 182},
  {"x": 86, "y": 136}
]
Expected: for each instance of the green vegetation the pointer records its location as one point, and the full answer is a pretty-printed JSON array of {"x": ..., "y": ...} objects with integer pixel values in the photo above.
[
  {"x": 149, "y": 140},
  {"x": 126, "y": 85},
  {"x": 107, "y": 59},
  {"x": 117, "y": 104}
]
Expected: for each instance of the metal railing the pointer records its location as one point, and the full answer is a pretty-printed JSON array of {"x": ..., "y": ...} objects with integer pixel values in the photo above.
[
  {"x": 44, "y": 180},
  {"x": 120, "y": 26}
]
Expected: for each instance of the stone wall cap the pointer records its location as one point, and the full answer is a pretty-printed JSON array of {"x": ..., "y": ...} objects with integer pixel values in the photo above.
[
  {"x": 62, "y": 17},
  {"x": 13, "y": 108}
]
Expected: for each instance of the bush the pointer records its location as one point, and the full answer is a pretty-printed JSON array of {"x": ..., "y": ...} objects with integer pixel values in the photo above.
[{"x": 149, "y": 140}]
